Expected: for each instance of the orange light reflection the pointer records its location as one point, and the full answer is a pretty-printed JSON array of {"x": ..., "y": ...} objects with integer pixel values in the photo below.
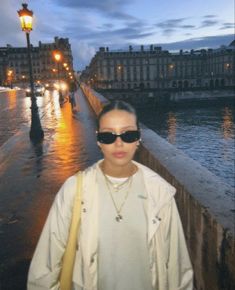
[
  {"x": 172, "y": 125},
  {"x": 12, "y": 99},
  {"x": 227, "y": 125}
]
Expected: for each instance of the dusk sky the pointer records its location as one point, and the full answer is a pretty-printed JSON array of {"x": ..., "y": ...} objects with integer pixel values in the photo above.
[{"x": 90, "y": 24}]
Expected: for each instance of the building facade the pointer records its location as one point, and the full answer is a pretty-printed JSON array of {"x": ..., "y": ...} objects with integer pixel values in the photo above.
[
  {"x": 159, "y": 69},
  {"x": 44, "y": 66}
]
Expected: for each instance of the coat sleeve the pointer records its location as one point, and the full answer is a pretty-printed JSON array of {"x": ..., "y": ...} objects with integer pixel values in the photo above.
[
  {"x": 46, "y": 262},
  {"x": 179, "y": 268}
]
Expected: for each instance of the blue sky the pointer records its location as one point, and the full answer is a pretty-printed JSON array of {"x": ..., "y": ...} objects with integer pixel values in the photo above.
[{"x": 117, "y": 24}]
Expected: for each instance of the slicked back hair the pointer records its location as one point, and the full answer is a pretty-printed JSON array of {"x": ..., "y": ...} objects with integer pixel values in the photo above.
[{"x": 117, "y": 105}]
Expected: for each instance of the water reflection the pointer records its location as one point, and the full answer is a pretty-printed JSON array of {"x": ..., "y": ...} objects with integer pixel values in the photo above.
[
  {"x": 66, "y": 148},
  {"x": 204, "y": 132},
  {"x": 172, "y": 125},
  {"x": 26, "y": 105},
  {"x": 11, "y": 99},
  {"x": 227, "y": 125},
  {"x": 38, "y": 150},
  {"x": 39, "y": 101},
  {"x": 56, "y": 104}
]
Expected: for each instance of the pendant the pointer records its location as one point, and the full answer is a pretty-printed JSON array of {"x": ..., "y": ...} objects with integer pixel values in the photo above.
[
  {"x": 118, "y": 218},
  {"x": 116, "y": 187}
]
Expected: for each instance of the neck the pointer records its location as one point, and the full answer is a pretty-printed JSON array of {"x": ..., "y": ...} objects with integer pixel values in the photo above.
[{"x": 118, "y": 171}]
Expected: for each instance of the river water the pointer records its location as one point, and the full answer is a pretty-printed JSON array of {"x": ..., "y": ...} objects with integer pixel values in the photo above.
[{"x": 204, "y": 131}]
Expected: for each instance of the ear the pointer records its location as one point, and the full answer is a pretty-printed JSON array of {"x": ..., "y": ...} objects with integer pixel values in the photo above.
[{"x": 138, "y": 143}]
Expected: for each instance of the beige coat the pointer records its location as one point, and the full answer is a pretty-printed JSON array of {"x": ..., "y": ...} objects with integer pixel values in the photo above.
[{"x": 169, "y": 260}]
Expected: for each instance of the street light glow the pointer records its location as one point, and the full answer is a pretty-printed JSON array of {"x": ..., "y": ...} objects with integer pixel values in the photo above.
[
  {"x": 9, "y": 73},
  {"x": 57, "y": 55},
  {"x": 26, "y": 18}
]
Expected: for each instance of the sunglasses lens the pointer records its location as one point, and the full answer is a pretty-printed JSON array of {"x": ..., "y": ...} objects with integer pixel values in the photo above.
[
  {"x": 109, "y": 138},
  {"x": 106, "y": 137},
  {"x": 130, "y": 136}
]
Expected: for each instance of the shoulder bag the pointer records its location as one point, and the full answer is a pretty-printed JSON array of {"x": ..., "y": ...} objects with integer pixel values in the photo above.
[{"x": 66, "y": 273}]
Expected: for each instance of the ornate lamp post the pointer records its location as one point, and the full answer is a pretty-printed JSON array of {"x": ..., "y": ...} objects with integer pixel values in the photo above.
[
  {"x": 58, "y": 57},
  {"x": 26, "y": 18}
]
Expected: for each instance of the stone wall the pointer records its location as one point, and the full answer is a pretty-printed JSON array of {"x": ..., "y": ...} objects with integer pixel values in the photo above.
[
  {"x": 206, "y": 206},
  {"x": 205, "y": 95}
]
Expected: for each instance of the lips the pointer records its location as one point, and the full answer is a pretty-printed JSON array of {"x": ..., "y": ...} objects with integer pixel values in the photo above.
[{"x": 119, "y": 154}]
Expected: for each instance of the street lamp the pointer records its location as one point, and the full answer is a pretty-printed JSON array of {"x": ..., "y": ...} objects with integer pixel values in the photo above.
[
  {"x": 10, "y": 77},
  {"x": 26, "y": 18},
  {"x": 58, "y": 57}
]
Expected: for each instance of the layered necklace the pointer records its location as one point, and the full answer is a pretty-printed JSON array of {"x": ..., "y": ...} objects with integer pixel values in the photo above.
[{"x": 114, "y": 188}]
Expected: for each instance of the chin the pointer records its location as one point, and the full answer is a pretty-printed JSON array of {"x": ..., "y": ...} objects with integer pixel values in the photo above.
[{"x": 121, "y": 161}]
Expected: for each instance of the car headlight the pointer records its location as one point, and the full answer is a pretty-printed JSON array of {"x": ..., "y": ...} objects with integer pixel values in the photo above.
[{"x": 63, "y": 86}]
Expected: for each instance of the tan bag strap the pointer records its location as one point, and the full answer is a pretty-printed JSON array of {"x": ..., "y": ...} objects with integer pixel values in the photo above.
[{"x": 66, "y": 274}]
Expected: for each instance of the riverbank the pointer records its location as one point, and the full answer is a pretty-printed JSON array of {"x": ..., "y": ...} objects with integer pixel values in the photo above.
[
  {"x": 214, "y": 95},
  {"x": 148, "y": 98}
]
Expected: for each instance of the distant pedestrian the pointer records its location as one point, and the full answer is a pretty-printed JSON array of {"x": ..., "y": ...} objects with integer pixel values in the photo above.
[
  {"x": 72, "y": 89},
  {"x": 130, "y": 235}
]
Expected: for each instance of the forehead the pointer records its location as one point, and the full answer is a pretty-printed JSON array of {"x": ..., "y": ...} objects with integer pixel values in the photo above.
[{"x": 117, "y": 119}]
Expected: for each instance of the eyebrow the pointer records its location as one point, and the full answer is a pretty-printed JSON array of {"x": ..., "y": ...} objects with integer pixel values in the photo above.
[{"x": 122, "y": 129}]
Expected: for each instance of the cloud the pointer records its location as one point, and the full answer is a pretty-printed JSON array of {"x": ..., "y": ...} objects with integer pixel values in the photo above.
[
  {"x": 82, "y": 53},
  {"x": 199, "y": 42},
  {"x": 106, "y": 33},
  {"x": 113, "y": 35},
  {"x": 168, "y": 31},
  {"x": 170, "y": 26},
  {"x": 207, "y": 23},
  {"x": 10, "y": 30},
  {"x": 106, "y": 26},
  {"x": 209, "y": 16},
  {"x": 187, "y": 26},
  {"x": 169, "y": 23},
  {"x": 109, "y": 8},
  {"x": 227, "y": 25},
  {"x": 94, "y": 4}
]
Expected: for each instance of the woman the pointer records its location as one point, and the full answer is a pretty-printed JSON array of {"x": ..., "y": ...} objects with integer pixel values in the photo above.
[{"x": 130, "y": 236}]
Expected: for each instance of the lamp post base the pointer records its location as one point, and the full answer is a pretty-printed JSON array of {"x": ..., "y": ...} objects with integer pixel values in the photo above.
[
  {"x": 36, "y": 137},
  {"x": 36, "y": 133}
]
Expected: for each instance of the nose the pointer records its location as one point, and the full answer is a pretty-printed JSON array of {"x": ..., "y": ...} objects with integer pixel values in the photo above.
[{"x": 118, "y": 141}]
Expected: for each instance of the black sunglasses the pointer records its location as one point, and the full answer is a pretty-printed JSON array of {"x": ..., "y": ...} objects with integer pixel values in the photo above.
[{"x": 109, "y": 137}]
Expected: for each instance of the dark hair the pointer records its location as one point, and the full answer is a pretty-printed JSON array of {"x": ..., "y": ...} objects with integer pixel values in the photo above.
[{"x": 117, "y": 105}]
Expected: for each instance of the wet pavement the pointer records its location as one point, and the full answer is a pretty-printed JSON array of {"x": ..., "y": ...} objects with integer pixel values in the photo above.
[
  {"x": 14, "y": 112},
  {"x": 31, "y": 175}
]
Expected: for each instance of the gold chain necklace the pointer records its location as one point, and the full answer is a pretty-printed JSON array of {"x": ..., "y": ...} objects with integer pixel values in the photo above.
[
  {"x": 117, "y": 186},
  {"x": 119, "y": 217}
]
